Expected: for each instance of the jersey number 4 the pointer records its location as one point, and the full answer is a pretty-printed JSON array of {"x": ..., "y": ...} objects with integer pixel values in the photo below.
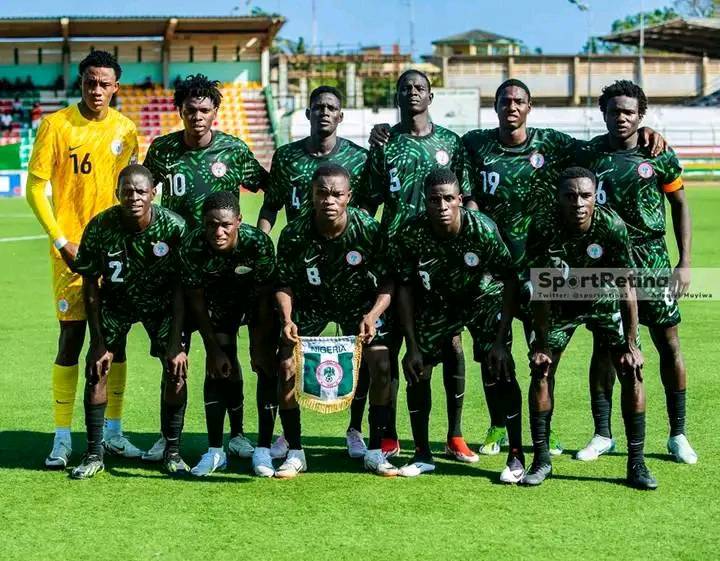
[{"x": 83, "y": 166}]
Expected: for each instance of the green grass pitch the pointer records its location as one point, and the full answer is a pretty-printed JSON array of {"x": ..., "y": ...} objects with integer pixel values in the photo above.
[{"x": 135, "y": 512}]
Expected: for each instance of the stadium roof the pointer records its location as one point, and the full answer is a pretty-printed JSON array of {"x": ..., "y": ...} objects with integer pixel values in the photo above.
[
  {"x": 693, "y": 36},
  {"x": 474, "y": 36},
  {"x": 138, "y": 26}
]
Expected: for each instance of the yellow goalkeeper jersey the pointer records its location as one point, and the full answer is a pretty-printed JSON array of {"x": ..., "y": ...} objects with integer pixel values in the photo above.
[{"x": 82, "y": 160}]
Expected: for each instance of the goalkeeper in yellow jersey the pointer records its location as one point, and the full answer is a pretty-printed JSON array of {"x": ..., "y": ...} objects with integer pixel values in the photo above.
[{"x": 80, "y": 150}]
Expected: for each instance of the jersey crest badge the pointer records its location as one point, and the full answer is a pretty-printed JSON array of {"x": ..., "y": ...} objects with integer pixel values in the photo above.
[
  {"x": 537, "y": 160},
  {"x": 353, "y": 257},
  {"x": 218, "y": 169},
  {"x": 595, "y": 251},
  {"x": 63, "y": 305},
  {"x": 242, "y": 270},
  {"x": 442, "y": 157},
  {"x": 160, "y": 249},
  {"x": 471, "y": 259},
  {"x": 645, "y": 170},
  {"x": 116, "y": 147}
]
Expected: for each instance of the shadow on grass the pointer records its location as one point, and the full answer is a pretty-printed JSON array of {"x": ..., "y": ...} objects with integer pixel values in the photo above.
[{"x": 28, "y": 449}]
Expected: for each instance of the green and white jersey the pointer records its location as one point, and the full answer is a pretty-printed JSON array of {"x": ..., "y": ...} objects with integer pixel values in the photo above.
[
  {"x": 633, "y": 184},
  {"x": 189, "y": 175},
  {"x": 293, "y": 167},
  {"x": 137, "y": 270},
  {"x": 334, "y": 278},
  {"x": 513, "y": 183},
  {"x": 449, "y": 274},
  {"x": 229, "y": 280},
  {"x": 397, "y": 170}
]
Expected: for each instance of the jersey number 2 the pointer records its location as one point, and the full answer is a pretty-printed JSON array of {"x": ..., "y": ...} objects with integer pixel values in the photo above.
[{"x": 116, "y": 267}]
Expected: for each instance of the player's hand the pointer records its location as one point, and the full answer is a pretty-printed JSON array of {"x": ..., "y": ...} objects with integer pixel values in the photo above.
[
  {"x": 367, "y": 329},
  {"x": 631, "y": 363},
  {"x": 653, "y": 140},
  {"x": 217, "y": 363},
  {"x": 99, "y": 361},
  {"x": 540, "y": 363},
  {"x": 69, "y": 252},
  {"x": 290, "y": 333},
  {"x": 680, "y": 281},
  {"x": 501, "y": 361},
  {"x": 380, "y": 134},
  {"x": 412, "y": 364},
  {"x": 177, "y": 364}
]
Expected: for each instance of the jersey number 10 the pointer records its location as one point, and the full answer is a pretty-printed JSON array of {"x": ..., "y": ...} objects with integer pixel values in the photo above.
[{"x": 177, "y": 183}]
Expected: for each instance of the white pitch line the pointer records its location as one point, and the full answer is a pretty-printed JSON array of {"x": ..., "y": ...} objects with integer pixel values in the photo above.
[{"x": 22, "y": 239}]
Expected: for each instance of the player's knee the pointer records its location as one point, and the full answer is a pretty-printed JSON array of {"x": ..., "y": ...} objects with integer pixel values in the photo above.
[
  {"x": 287, "y": 369},
  {"x": 380, "y": 374},
  {"x": 668, "y": 346},
  {"x": 70, "y": 342}
]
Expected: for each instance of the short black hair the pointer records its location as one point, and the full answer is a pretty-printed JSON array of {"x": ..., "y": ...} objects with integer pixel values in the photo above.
[
  {"x": 317, "y": 92},
  {"x": 136, "y": 169},
  {"x": 441, "y": 176},
  {"x": 413, "y": 71},
  {"x": 626, "y": 88},
  {"x": 100, "y": 59},
  {"x": 197, "y": 85},
  {"x": 331, "y": 170},
  {"x": 222, "y": 200},
  {"x": 576, "y": 172},
  {"x": 512, "y": 82}
]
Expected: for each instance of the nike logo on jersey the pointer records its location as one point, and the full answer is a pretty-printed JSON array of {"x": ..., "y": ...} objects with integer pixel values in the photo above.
[
  {"x": 311, "y": 259},
  {"x": 391, "y": 160},
  {"x": 172, "y": 165},
  {"x": 425, "y": 263},
  {"x": 75, "y": 147},
  {"x": 113, "y": 254},
  {"x": 294, "y": 179}
]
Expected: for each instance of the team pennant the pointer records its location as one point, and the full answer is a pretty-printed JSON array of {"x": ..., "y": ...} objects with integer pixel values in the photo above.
[{"x": 327, "y": 372}]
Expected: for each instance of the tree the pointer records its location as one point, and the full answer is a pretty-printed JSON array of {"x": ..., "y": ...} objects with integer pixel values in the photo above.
[
  {"x": 696, "y": 8},
  {"x": 629, "y": 23}
]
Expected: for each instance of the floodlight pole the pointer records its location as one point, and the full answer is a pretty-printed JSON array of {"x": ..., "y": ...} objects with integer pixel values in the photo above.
[{"x": 641, "y": 47}]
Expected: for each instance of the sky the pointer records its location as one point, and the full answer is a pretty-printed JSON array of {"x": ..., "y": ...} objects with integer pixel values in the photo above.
[{"x": 555, "y": 26}]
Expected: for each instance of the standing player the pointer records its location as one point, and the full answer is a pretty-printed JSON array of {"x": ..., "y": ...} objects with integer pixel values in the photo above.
[
  {"x": 293, "y": 164},
  {"x": 133, "y": 250},
  {"x": 397, "y": 168},
  {"x": 332, "y": 267},
  {"x": 228, "y": 268},
  {"x": 580, "y": 235},
  {"x": 80, "y": 150},
  {"x": 635, "y": 185},
  {"x": 196, "y": 161},
  {"x": 290, "y": 186},
  {"x": 514, "y": 170},
  {"x": 444, "y": 255}
]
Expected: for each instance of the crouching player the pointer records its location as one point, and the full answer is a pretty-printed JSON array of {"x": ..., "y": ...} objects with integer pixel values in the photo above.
[
  {"x": 133, "y": 250},
  {"x": 582, "y": 235},
  {"x": 332, "y": 267},
  {"x": 227, "y": 270},
  {"x": 445, "y": 256}
]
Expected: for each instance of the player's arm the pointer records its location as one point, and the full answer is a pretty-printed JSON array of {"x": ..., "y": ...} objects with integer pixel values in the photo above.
[
  {"x": 682, "y": 227},
  {"x": 463, "y": 171},
  {"x": 284, "y": 299},
  {"x": 272, "y": 200},
  {"x": 536, "y": 256},
  {"x": 379, "y": 134},
  {"x": 382, "y": 302},
  {"x": 177, "y": 360},
  {"x": 99, "y": 358},
  {"x": 263, "y": 330},
  {"x": 369, "y": 194},
  {"x": 42, "y": 163},
  {"x": 254, "y": 176},
  {"x": 412, "y": 362}
]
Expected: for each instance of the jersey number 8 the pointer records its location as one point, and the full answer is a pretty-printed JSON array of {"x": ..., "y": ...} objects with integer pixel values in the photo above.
[{"x": 313, "y": 276}]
